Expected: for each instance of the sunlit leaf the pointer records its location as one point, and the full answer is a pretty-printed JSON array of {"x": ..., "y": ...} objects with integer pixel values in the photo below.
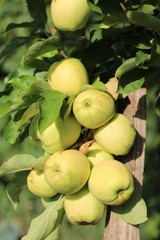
[
  {"x": 41, "y": 47},
  {"x": 134, "y": 211},
  {"x": 43, "y": 225},
  {"x": 128, "y": 65},
  {"x": 50, "y": 108},
  {"x": 17, "y": 163},
  {"x": 10, "y": 132},
  {"x": 94, "y": 7}
]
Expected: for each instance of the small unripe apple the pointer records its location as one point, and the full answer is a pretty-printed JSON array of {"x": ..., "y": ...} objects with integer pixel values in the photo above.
[
  {"x": 96, "y": 154},
  {"x": 67, "y": 171},
  {"x": 67, "y": 76},
  {"x": 37, "y": 184},
  {"x": 83, "y": 208},
  {"x": 93, "y": 108},
  {"x": 111, "y": 182},
  {"x": 70, "y": 15},
  {"x": 117, "y": 136},
  {"x": 60, "y": 135}
]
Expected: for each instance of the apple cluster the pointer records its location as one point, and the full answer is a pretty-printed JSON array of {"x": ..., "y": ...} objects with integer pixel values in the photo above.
[{"x": 92, "y": 179}]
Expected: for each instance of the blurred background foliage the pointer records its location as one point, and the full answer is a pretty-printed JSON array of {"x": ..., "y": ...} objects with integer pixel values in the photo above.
[{"x": 13, "y": 223}]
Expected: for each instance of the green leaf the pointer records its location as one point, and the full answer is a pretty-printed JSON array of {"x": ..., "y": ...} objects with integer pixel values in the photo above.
[
  {"x": 40, "y": 163},
  {"x": 20, "y": 25},
  {"x": 111, "y": 20},
  {"x": 14, "y": 43},
  {"x": 50, "y": 108},
  {"x": 15, "y": 187},
  {"x": 66, "y": 107},
  {"x": 157, "y": 106},
  {"x": 126, "y": 66},
  {"x": 142, "y": 59},
  {"x": 144, "y": 20},
  {"x": 82, "y": 232},
  {"x": 8, "y": 107},
  {"x": 33, "y": 128},
  {"x": 23, "y": 83},
  {"x": 147, "y": 8},
  {"x": 54, "y": 235},
  {"x": 155, "y": 54},
  {"x": 5, "y": 108},
  {"x": 10, "y": 132},
  {"x": 42, "y": 76},
  {"x": 132, "y": 80},
  {"x": 99, "y": 85},
  {"x": 37, "y": 88},
  {"x": 28, "y": 114},
  {"x": 17, "y": 163},
  {"x": 43, "y": 225},
  {"x": 94, "y": 7},
  {"x": 37, "y": 10},
  {"x": 134, "y": 211},
  {"x": 41, "y": 47}
]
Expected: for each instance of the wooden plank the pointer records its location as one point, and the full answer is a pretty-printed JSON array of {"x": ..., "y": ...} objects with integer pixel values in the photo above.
[{"x": 134, "y": 107}]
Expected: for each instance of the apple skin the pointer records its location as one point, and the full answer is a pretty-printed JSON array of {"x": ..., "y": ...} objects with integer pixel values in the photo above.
[
  {"x": 93, "y": 108},
  {"x": 37, "y": 184},
  {"x": 111, "y": 182},
  {"x": 67, "y": 76},
  {"x": 96, "y": 154},
  {"x": 69, "y": 15},
  {"x": 117, "y": 136},
  {"x": 83, "y": 208},
  {"x": 61, "y": 134},
  {"x": 67, "y": 171}
]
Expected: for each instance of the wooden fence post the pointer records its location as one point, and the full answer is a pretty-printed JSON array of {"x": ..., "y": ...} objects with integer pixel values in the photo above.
[{"x": 134, "y": 107}]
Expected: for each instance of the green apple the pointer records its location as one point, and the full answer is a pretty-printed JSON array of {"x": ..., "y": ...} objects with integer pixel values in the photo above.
[
  {"x": 82, "y": 207},
  {"x": 69, "y": 15},
  {"x": 37, "y": 184},
  {"x": 117, "y": 136},
  {"x": 67, "y": 171},
  {"x": 67, "y": 76},
  {"x": 61, "y": 134},
  {"x": 47, "y": 201},
  {"x": 93, "y": 108},
  {"x": 96, "y": 154},
  {"x": 111, "y": 182}
]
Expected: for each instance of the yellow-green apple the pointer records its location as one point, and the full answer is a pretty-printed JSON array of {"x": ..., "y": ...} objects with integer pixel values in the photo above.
[
  {"x": 82, "y": 207},
  {"x": 37, "y": 184},
  {"x": 67, "y": 76},
  {"x": 117, "y": 136},
  {"x": 47, "y": 201},
  {"x": 93, "y": 108},
  {"x": 96, "y": 154},
  {"x": 111, "y": 182},
  {"x": 67, "y": 171},
  {"x": 61, "y": 134},
  {"x": 69, "y": 15}
]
